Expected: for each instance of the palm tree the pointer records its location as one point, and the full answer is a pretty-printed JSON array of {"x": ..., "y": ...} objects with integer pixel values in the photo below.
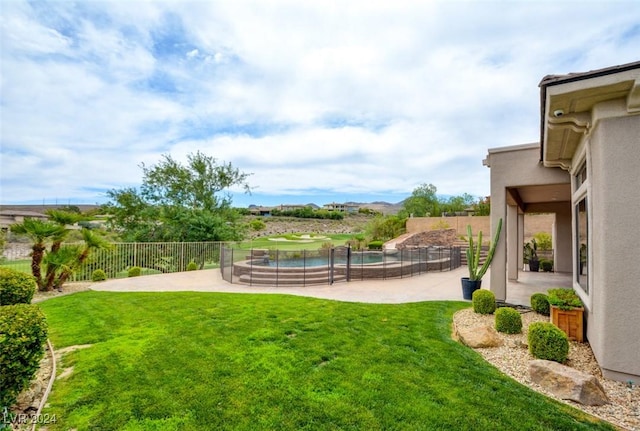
[
  {"x": 92, "y": 241},
  {"x": 62, "y": 218},
  {"x": 39, "y": 231}
]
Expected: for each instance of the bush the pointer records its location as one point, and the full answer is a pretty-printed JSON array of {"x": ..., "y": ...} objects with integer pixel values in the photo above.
[
  {"x": 540, "y": 303},
  {"x": 564, "y": 298},
  {"x": 23, "y": 330},
  {"x": 547, "y": 341},
  {"x": 98, "y": 275},
  {"x": 192, "y": 266},
  {"x": 134, "y": 271},
  {"x": 375, "y": 245},
  {"x": 508, "y": 320},
  {"x": 546, "y": 265},
  {"x": 543, "y": 239},
  {"x": 257, "y": 224},
  {"x": 484, "y": 301},
  {"x": 16, "y": 287}
]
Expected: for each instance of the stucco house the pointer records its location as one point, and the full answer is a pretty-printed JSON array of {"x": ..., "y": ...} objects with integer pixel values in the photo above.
[{"x": 586, "y": 170}]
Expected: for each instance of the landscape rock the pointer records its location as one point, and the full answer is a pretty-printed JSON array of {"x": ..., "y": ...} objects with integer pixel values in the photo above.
[
  {"x": 442, "y": 237},
  {"x": 567, "y": 383},
  {"x": 479, "y": 337}
]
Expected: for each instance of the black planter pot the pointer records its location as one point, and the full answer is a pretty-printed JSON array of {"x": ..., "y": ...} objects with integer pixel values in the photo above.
[
  {"x": 534, "y": 265},
  {"x": 469, "y": 286}
]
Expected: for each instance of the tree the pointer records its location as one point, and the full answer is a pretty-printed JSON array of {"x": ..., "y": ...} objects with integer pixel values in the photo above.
[
  {"x": 180, "y": 202},
  {"x": 423, "y": 202},
  {"x": 60, "y": 261},
  {"x": 458, "y": 203},
  {"x": 384, "y": 228},
  {"x": 39, "y": 231}
]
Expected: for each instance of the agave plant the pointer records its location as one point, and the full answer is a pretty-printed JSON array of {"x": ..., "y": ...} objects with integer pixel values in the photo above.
[{"x": 473, "y": 253}]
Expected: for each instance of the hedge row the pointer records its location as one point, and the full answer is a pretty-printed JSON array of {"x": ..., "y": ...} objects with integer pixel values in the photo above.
[{"x": 23, "y": 332}]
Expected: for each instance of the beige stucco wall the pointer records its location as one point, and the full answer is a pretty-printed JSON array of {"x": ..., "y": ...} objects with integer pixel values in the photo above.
[
  {"x": 613, "y": 318},
  {"x": 533, "y": 223}
]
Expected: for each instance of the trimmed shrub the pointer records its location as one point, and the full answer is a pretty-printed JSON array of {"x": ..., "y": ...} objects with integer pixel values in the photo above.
[
  {"x": 192, "y": 266},
  {"x": 375, "y": 245},
  {"x": 546, "y": 265},
  {"x": 23, "y": 332},
  {"x": 134, "y": 271},
  {"x": 16, "y": 287},
  {"x": 484, "y": 301},
  {"x": 547, "y": 341},
  {"x": 98, "y": 275},
  {"x": 540, "y": 303},
  {"x": 508, "y": 320}
]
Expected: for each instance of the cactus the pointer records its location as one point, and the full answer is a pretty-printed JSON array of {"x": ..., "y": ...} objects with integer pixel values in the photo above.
[{"x": 473, "y": 253}]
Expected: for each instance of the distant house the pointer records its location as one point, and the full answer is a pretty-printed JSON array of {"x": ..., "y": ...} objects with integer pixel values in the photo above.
[
  {"x": 259, "y": 210},
  {"x": 345, "y": 208},
  {"x": 585, "y": 171},
  {"x": 9, "y": 217}
]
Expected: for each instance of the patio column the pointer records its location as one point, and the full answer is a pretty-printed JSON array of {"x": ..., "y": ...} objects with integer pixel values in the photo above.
[
  {"x": 520, "y": 241},
  {"x": 499, "y": 263},
  {"x": 512, "y": 242},
  {"x": 562, "y": 242}
]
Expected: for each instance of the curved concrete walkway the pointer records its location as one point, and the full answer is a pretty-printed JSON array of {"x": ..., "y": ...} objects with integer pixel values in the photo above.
[{"x": 426, "y": 287}]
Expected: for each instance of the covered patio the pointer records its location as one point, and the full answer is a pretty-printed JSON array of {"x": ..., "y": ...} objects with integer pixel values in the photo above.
[
  {"x": 519, "y": 291},
  {"x": 519, "y": 185}
]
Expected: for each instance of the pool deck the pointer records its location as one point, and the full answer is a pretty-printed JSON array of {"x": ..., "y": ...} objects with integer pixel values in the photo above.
[{"x": 426, "y": 287}]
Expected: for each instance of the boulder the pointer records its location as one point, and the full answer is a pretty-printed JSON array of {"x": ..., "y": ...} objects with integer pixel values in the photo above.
[
  {"x": 567, "y": 383},
  {"x": 479, "y": 336}
]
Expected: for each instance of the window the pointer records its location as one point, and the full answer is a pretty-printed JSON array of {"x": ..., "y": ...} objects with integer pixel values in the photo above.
[{"x": 582, "y": 244}]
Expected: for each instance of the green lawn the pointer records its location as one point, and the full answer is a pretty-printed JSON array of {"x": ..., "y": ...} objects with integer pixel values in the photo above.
[
  {"x": 295, "y": 242},
  {"x": 208, "y": 361}
]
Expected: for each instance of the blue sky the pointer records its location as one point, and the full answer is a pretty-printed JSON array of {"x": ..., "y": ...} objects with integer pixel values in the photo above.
[{"x": 319, "y": 100}]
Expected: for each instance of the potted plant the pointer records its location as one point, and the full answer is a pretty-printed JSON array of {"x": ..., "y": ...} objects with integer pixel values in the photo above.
[
  {"x": 567, "y": 312},
  {"x": 531, "y": 255},
  {"x": 473, "y": 282}
]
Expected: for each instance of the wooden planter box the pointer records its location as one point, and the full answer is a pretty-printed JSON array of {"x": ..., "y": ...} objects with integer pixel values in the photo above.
[{"x": 569, "y": 321}]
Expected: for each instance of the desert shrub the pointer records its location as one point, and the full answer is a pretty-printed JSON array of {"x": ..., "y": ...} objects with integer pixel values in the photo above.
[
  {"x": 23, "y": 330},
  {"x": 546, "y": 265},
  {"x": 134, "y": 271},
  {"x": 484, "y": 301},
  {"x": 540, "y": 303},
  {"x": 98, "y": 275},
  {"x": 375, "y": 245},
  {"x": 257, "y": 224},
  {"x": 508, "y": 320},
  {"x": 547, "y": 341},
  {"x": 16, "y": 287},
  {"x": 192, "y": 266}
]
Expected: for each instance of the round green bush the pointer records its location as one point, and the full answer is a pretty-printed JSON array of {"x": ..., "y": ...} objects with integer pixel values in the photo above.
[
  {"x": 508, "y": 320},
  {"x": 23, "y": 330},
  {"x": 484, "y": 301},
  {"x": 16, "y": 287},
  {"x": 546, "y": 265},
  {"x": 540, "y": 303},
  {"x": 134, "y": 271},
  {"x": 98, "y": 275},
  {"x": 192, "y": 266},
  {"x": 547, "y": 341},
  {"x": 375, "y": 245}
]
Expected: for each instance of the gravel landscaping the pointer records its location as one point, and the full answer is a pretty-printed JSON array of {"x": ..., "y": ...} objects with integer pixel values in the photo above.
[{"x": 513, "y": 357}]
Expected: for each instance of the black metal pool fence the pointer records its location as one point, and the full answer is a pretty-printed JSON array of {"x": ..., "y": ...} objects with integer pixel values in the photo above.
[{"x": 331, "y": 265}]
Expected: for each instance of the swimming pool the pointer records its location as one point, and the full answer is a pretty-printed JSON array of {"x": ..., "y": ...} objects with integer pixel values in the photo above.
[{"x": 309, "y": 267}]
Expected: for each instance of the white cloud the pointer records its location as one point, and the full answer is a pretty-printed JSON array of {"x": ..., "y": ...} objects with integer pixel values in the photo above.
[{"x": 343, "y": 98}]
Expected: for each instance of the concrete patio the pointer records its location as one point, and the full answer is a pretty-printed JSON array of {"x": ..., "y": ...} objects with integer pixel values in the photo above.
[{"x": 427, "y": 287}]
